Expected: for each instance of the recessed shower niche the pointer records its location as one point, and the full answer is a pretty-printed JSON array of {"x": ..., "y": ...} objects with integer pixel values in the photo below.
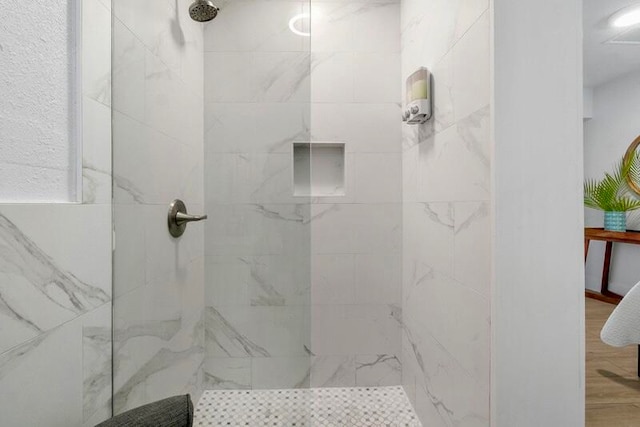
[{"x": 319, "y": 169}]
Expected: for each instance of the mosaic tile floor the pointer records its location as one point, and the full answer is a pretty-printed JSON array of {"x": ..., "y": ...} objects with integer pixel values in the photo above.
[{"x": 319, "y": 407}]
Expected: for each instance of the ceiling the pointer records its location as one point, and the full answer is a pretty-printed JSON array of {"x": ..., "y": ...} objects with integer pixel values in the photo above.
[{"x": 603, "y": 60}]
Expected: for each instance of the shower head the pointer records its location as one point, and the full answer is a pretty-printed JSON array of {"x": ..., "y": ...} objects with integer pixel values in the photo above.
[{"x": 203, "y": 10}]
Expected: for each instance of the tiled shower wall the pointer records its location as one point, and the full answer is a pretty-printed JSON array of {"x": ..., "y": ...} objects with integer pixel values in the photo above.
[
  {"x": 157, "y": 157},
  {"x": 356, "y": 239},
  {"x": 447, "y": 223},
  {"x": 257, "y": 239},
  {"x": 55, "y": 274},
  {"x": 302, "y": 291}
]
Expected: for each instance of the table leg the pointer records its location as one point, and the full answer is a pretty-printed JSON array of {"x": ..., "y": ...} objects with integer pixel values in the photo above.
[{"x": 604, "y": 286}]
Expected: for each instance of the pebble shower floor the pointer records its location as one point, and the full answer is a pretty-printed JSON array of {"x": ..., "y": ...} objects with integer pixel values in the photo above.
[{"x": 316, "y": 407}]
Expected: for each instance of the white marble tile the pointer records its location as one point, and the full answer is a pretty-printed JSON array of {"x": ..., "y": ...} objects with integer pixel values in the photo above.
[
  {"x": 159, "y": 350},
  {"x": 469, "y": 11},
  {"x": 443, "y": 93},
  {"x": 227, "y": 373},
  {"x": 378, "y": 370},
  {"x": 410, "y": 367},
  {"x": 376, "y": 329},
  {"x": 268, "y": 280},
  {"x": 333, "y": 279},
  {"x": 227, "y": 281},
  {"x": 96, "y": 51},
  {"x": 261, "y": 331},
  {"x": 36, "y": 398},
  {"x": 128, "y": 72},
  {"x": 446, "y": 394},
  {"x": 471, "y": 69},
  {"x": 280, "y": 372},
  {"x": 96, "y": 365},
  {"x": 378, "y": 178},
  {"x": 457, "y": 317},
  {"x": 129, "y": 257},
  {"x": 472, "y": 248},
  {"x": 255, "y": 26},
  {"x": 333, "y": 371},
  {"x": 332, "y": 330},
  {"x": 354, "y": 329},
  {"x": 141, "y": 157},
  {"x": 255, "y": 127},
  {"x": 169, "y": 104},
  {"x": 281, "y": 77},
  {"x": 228, "y": 77},
  {"x": 332, "y": 26},
  {"x": 376, "y": 28},
  {"x": 332, "y": 77},
  {"x": 257, "y": 230},
  {"x": 42, "y": 283},
  {"x": 410, "y": 174},
  {"x": 357, "y": 228},
  {"x": 249, "y": 178},
  {"x": 428, "y": 32},
  {"x": 376, "y": 77},
  {"x": 465, "y": 145},
  {"x": 446, "y": 165},
  {"x": 428, "y": 238},
  {"x": 378, "y": 279},
  {"x": 366, "y": 128},
  {"x": 428, "y": 410},
  {"x": 96, "y": 152},
  {"x": 158, "y": 26}
]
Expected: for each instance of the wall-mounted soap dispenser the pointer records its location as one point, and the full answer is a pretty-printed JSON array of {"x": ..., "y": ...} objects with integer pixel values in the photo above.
[{"x": 418, "y": 98}]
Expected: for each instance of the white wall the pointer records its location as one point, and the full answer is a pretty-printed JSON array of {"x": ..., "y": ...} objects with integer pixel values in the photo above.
[
  {"x": 39, "y": 149},
  {"x": 607, "y": 136},
  {"x": 537, "y": 294},
  {"x": 446, "y": 215},
  {"x": 587, "y": 94}
]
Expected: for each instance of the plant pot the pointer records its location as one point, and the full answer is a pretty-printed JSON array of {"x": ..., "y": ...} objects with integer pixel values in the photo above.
[{"x": 615, "y": 221}]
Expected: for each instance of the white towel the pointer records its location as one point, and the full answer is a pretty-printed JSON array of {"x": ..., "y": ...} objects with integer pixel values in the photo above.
[{"x": 623, "y": 326}]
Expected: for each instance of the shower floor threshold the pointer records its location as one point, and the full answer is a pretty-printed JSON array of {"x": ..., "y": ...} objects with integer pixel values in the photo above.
[{"x": 314, "y": 407}]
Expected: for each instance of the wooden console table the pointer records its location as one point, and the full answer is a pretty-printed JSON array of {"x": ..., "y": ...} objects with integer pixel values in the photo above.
[{"x": 610, "y": 237}]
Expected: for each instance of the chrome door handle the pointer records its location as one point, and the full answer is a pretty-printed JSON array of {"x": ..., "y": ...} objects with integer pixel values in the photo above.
[{"x": 179, "y": 218}]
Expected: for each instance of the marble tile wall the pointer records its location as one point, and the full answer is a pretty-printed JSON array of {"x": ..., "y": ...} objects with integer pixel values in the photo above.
[
  {"x": 356, "y": 239},
  {"x": 302, "y": 291},
  {"x": 157, "y": 157},
  {"x": 55, "y": 273},
  {"x": 446, "y": 215},
  {"x": 257, "y": 242}
]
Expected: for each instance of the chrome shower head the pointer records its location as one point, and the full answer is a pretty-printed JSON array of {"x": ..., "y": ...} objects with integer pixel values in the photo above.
[{"x": 203, "y": 10}]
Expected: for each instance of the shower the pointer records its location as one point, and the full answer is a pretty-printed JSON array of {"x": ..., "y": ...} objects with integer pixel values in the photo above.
[{"x": 203, "y": 10}]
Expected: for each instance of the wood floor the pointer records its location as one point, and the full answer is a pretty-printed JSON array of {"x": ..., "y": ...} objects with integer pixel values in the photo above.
[{"x": 613, "y": 386}]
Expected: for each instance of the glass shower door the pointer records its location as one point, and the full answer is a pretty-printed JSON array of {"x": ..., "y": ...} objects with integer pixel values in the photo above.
[
  {"x": 257, "y": 242},
  {"x": 209, "y": 114}
]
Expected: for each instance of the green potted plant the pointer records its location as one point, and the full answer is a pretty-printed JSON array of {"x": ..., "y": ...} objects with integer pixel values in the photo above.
[{"x": 612, "y": 194}]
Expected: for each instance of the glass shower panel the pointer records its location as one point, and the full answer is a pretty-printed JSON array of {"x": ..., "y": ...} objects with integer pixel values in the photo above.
[
  {"x": 157, "y": 157},
  {"x": 257, "y": 241},
  {"x": 209, "y": 114}
]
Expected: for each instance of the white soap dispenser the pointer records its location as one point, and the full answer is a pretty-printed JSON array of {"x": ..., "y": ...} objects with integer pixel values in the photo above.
[{"x": 418, "y": 97}]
